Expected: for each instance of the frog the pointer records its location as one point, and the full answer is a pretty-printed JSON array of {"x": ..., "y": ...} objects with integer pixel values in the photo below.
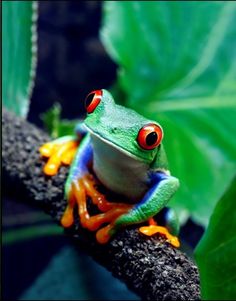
[{"x": 122, "y": 150}]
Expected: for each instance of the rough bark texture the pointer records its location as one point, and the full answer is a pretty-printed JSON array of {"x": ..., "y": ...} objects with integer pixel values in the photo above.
[{"x": 149, "y": 266}]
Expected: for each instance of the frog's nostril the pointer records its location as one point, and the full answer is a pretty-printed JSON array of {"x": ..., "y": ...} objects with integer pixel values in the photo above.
[{"x": 114, "y": 129}]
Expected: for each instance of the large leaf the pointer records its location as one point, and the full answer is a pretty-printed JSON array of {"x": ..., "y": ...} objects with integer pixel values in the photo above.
[
  {"x": 18, "y": 54},
  {"x": 216, "y": 251},
  {"x": 177, "y": 65}
]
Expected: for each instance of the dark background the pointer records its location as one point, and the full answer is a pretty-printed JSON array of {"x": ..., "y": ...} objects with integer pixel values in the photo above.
[{"x": 71, "y": 59}]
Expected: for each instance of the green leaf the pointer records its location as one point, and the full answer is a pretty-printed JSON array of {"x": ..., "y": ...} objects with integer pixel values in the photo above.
[
  {"x": 51, "y": 120},
  {"x": 18, "y": 54},
  {"x": 30, "y": 232},
  {"x": 177, "y": 65},
  {"x": 67, "y": 127},
  {"x": 56, "y": 126},
  {"x": 215, "y": 254}
]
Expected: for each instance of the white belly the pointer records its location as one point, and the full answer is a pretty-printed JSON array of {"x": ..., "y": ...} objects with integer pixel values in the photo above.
[{"x": 118, "y": 171}]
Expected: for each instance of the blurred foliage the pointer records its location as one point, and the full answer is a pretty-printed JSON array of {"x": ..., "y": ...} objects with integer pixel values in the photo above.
[
  {"x": 18, "y": 54},
  {"x": 56, "y": 126},
  {"x": 215, "y": 253},
  {"x": 30, "y": 232},
  {"x": 177, "y": 65}
]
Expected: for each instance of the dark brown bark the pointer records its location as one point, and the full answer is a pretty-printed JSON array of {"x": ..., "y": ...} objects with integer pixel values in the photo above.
[{"x": 149, "y": 266}]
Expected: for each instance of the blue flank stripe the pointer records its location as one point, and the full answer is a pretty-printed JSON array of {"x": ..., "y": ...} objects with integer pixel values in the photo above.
[
  {"x": 80, "y": 162},
  {"x": 155, "y": 179},
  {"x": 80, "y": 129}
]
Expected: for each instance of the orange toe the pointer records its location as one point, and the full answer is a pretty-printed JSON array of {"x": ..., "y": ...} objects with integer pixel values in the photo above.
[
  {"x": 103, "y": 235},
  {"x": 47, "y": 149},
  {"x": 68, "y": 156},
  {"x": 153, "y": 229},
  {"x": 67, "y": 219}
]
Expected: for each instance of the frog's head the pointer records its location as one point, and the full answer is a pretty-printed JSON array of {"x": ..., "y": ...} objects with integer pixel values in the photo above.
[{"x": 122, "y": 127}]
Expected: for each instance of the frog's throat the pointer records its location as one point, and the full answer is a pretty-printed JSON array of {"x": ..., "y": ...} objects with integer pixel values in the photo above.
[{"x": 122, "y": 150}]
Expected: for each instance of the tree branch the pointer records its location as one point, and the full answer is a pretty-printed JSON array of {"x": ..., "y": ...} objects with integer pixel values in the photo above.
[{"x": 149, "y": 266}]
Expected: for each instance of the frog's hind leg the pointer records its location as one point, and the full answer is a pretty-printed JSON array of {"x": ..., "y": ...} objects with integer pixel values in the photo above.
[
  {"x": 171, "y": 229},
  {"x": 110, "y": 211},
  {"x": 162, "y": 188},
  {"x": 59, "y": 151},
  {"x": 98, "y": 198},
  {"x": 92, "y": 223},
  {"x": 84, "y": 187},
  {"x": 168, "y": 218},
  {"x": 172, "y": 221},
  {"x": 153, "y": 228}
]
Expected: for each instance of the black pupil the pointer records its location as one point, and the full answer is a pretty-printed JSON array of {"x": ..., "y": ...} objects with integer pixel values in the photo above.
[
  {"x": 89, "y": 99},
  {"x": 151, "y": 138}
]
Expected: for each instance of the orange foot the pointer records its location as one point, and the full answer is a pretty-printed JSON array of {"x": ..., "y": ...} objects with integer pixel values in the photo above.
[
  {"x": 153, "y": 228},
  {"x": 110, "y": 211},
  {"x": 60, "y": 151}
]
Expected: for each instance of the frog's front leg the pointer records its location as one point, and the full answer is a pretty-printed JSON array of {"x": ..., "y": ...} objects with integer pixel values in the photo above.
[
  {"x": 78, "y": 170},
  {"x": 79, "y": 185},
  {"x": 61, "y": 150},
  {"x": 162, "y": 188}
]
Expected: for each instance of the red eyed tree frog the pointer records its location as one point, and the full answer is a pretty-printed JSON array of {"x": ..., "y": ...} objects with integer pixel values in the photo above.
[{"x": 122, "y": 150}]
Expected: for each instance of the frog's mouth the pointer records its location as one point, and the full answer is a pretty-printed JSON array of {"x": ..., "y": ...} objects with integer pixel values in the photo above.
[{"x": 117, "y": 147}]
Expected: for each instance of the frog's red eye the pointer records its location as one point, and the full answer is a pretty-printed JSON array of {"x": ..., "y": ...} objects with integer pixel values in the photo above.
[
  {"x": 150, "y": 136},
  {"x": 92, "y": 100}
]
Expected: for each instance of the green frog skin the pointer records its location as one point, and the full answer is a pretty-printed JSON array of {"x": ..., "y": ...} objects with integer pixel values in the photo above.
[{"x": 122, "y": 150}]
